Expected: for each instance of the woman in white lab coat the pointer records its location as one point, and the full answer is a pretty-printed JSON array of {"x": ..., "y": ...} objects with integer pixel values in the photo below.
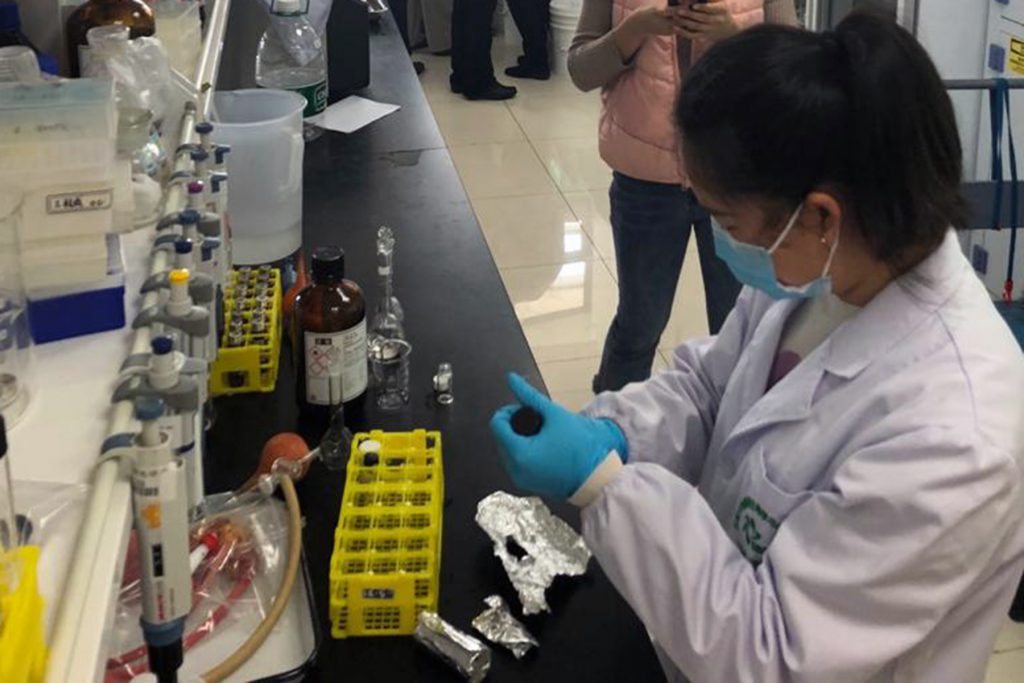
[{"x": 831, "y": 489}]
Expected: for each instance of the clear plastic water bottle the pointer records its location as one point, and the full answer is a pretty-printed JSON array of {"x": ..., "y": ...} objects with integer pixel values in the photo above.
[{"x": 291, "y": 56}]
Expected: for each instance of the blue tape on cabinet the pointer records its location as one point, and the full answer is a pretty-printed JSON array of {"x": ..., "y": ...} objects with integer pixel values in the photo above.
[
  {"x": 997, "y": 57},
  {"x": 74, "y": 315}
]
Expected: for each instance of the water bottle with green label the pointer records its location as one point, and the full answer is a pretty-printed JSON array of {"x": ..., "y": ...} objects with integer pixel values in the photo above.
[{"x": 292, "y": 56}]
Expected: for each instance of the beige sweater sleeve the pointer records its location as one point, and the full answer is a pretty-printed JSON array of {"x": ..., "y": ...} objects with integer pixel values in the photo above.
[{"x": 594, "y": 59}]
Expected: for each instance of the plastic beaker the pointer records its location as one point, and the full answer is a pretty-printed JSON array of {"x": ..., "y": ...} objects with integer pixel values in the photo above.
[
  {"x": 18, "y": 64},
  {"x": 264, "y": 129}
]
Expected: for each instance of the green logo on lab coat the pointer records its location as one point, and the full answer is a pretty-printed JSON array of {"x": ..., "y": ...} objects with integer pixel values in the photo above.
[{"x": 755, "y": 528}]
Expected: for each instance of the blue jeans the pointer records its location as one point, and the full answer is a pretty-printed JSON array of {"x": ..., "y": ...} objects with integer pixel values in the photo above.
[{"x": 651, "y": 225}]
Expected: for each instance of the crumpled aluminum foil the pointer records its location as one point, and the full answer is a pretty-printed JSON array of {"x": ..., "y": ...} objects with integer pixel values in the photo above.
[
  {"x": 553, "y": 548},
  {"x": 497, "y": 625},
  {"x": 463, "y": 652}
]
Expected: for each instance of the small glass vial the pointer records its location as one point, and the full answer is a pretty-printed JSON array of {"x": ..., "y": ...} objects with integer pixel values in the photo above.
[
  {"x": 443, "y": 383},
  {"x": 236, "y": 339}
]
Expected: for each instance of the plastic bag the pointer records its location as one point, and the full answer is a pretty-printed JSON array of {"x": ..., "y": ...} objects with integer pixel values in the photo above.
[
  {"x": 139, "y": 68},
  {"x": 45, "y": 506},
  {"x": 233, "y": 587}
]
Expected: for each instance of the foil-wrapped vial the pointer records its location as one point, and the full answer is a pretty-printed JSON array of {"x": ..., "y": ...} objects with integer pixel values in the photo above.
[{"x": 461, "y": 651}]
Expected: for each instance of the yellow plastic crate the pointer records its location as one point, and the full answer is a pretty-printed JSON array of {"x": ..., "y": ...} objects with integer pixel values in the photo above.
[
  {"x": 249, "y": 363},
  {"x": 387, "y": 546},
  {"x": 22, "y": 645}
]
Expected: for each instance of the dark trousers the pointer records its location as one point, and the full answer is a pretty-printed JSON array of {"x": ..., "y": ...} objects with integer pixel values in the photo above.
[
  {"x": 472, "y": 70},
  {"x": 533, "y": 18},
  {"x": 651, "y": 226},
  {"x": 400, "y": 11}
]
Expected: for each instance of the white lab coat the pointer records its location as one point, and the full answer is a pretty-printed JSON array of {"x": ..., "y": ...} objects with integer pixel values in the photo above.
[{"x": 862, "y": 520}]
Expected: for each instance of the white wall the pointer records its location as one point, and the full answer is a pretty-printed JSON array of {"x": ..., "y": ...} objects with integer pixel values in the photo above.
[
  {"x": 957, "y": 34},
  {"x": 954, "y": 33}
]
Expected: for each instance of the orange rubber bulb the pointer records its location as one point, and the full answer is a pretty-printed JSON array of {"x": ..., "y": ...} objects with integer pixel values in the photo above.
[{"x": 287, "y": 445}]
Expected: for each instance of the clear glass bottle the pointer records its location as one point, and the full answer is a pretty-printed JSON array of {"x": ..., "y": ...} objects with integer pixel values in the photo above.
[
  {"x": 292, "y": 56},
  {"x": 135, "y": 14},
  {"x": 388, "y": 315},
  {"x": 329, "y": 337}
]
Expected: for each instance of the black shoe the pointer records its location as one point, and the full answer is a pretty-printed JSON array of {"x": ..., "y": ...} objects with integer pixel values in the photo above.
[
  {"x": 457, "y": 89},
  {"x": 495, "y": 91},
  {"x": 524, "y": 71},
  {"x": 420, "y": 67}
]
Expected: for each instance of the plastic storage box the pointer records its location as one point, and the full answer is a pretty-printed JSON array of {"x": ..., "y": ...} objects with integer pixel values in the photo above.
[
  {"x": 57, "y": 142},
  {"x": 65, "y": 312},
  {"x": 387, "y": 546}
]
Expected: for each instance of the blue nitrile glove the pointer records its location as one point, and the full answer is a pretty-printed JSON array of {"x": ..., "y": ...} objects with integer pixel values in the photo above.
[{"x": 557, "y": 460}]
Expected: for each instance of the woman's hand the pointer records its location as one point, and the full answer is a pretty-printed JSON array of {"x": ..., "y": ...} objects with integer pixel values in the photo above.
[
  {"x": 655, "y": 21},
  {"x": 563, "y": 454},
  {"x": 631, "y": 34},
  {"x": 709, "y": 21}
]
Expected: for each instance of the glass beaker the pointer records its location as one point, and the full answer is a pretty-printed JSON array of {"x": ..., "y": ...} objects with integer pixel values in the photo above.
[
  {"x": 389, "y": 361},
  {"x": 15, "y": 338}
]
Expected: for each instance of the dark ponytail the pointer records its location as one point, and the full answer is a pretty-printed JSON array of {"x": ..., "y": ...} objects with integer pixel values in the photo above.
[{"x": 775, "y": 112}]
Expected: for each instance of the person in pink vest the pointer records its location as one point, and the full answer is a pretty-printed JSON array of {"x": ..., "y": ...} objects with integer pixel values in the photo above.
[{"x": 638, "y": 52}]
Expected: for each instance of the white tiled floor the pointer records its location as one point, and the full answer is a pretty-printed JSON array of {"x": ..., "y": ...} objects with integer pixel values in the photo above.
[{"x": 540, "y": 191}]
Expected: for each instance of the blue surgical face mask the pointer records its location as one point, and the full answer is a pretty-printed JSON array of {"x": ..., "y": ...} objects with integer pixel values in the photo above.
[{"x": 753, "y": 265}]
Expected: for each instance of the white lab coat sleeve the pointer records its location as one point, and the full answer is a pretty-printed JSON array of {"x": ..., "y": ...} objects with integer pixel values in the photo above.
[
  {"x": 668, "y": 419},
  {"x": 855, "y": 576}
]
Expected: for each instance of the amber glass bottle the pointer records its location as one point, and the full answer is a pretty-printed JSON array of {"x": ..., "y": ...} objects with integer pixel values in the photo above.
[
  {"x": 135, "y": 14},
  {"x": 329, "y": 336}
]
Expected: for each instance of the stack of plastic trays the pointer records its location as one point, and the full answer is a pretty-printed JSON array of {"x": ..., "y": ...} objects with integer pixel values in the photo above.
[{"x": 57, "y": 189}]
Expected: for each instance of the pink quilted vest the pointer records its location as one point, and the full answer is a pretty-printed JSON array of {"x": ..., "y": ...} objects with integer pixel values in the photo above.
[{"x": 637, "y": 134}]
